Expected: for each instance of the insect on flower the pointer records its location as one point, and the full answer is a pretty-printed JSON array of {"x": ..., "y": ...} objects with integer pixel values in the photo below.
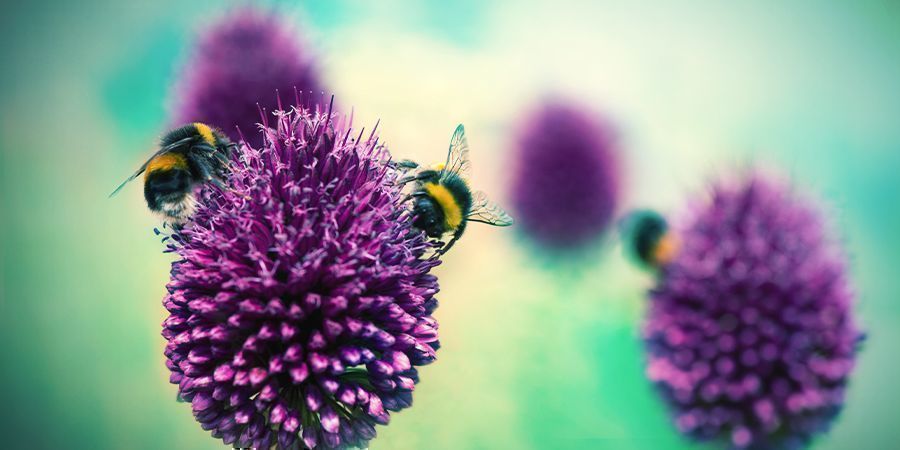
[
  {"x": 442, "y": 200},
  {"x": 298, "y": 318},
  {"x": 188, "y": 156}
]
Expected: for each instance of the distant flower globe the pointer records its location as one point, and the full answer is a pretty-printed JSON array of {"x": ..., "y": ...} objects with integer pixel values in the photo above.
[
  {"x": 301, "y": 302},
  {"x": 565, "y": 179},
  {"x": 236, "y": 68},
  {"x": 750, "y": 330}
]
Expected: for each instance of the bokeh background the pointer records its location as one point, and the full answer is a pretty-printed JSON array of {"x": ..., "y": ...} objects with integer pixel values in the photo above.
[{"x": 536, "y": 353}]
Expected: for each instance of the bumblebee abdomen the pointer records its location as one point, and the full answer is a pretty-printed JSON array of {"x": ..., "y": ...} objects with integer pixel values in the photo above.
[
  {"x": 445, "y": 201},
  {"x": 166, "y": 161},
  {"x": 168, "y": 192},
  {"x": 452, "y": 196},
  {"x": 429, "y": 217}
]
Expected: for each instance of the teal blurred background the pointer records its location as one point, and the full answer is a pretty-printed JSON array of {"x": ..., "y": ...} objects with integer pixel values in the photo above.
[{"x": 535, "y": 355}]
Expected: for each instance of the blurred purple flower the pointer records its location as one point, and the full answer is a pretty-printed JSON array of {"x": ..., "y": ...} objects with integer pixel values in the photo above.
[
  {"x": 565, "y": 183},
  {"x": 301, "y": 302},
  {"x": 236, "y": 67},
  {"x": 750, "y": 332}
]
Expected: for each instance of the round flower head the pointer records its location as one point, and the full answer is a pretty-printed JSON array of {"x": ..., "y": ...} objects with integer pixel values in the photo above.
[
  {"x": 750, "y": 333},
  {"x": 565, "y": 181},
  {"x": 301, "y": 302},
  {"x": 236, "y": 68}
]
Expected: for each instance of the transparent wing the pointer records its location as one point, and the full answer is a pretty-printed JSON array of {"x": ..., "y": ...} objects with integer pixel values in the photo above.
[
  {"x": 127, "y": 180},
  {"x": 458, "y": 155},
  {"x": 486, "y": 211},
  {"x": 143, "y": 167}
]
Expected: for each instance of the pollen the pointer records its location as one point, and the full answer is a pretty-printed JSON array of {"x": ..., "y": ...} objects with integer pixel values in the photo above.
[
  {"x": 448, "y": 204},
  {"x": 206, "y": 133}
]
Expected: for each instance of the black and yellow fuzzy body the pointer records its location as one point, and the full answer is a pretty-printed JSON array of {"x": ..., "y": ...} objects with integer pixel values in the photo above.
[
  {"x": 188, "y": 156},
  {"x": 442, "y": 200},
  {"x": 441, "y": 204},
  {"x": 648, "y": 239}
]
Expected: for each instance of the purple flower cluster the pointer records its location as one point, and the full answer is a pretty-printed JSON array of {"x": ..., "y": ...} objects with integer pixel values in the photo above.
[
  {"x": 236, "y": 68},
  {"x": 565, "y": 183},
  {"x": 750, "y": 332},
  {"x": 302, "y": 300}
]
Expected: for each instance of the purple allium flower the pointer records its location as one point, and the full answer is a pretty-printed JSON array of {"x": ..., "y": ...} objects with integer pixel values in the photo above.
[
  {"x": 750, "y": 332},
  {"x": 565, "y": 182},
  {"x": 236, "y": 68},
  {"x": 301, "y": 302}
]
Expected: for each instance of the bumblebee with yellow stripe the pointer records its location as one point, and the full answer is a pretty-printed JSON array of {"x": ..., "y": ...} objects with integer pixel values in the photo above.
[
  {"x": 188, "y": 156},
  {"x": 442, "y": 200},
  {"x": 648, "y": 240}
]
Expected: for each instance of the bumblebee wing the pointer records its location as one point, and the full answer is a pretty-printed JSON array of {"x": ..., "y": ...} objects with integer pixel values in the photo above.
[
  {"x": 486, "y": 211},
  {"x": 458, "y": 154},
  {"x": 133, "y": 176},
  {"x": 143, "y": 167}
]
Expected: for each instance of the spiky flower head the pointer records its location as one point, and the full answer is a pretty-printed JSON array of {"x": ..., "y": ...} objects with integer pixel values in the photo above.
[
  {"x": 235, "y": 69},
  {"x": 565, "y": 182},
  {"x": 750, "y": 331},
  {"x": 301, "y": 303}
]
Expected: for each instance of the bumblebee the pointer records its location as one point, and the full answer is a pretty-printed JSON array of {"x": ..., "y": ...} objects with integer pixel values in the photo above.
[
  {"x": 188, "y": 156},
  {"x": 442, "y": 200},
  {"x": 648, "y": 239}
]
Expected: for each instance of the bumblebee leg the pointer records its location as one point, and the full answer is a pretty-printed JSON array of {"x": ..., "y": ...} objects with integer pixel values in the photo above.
[
  {"x": 456, "y": 236},
  {"x": 405, "y": 180},
  {"x": 202, "y": 164},
  {"x": 218, "y": 183},
  {"x": 207, "y": 173},
  {"x": 447, "y": 246},
  {"x": 217, "y": 161},
  {"x": 413, "y": 195},
  {"x": 411, "y": 178},
  {"x": 404, "y": 165}
]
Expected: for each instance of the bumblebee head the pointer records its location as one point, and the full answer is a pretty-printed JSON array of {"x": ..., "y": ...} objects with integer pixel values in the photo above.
[{"x": 648, "y": 239}]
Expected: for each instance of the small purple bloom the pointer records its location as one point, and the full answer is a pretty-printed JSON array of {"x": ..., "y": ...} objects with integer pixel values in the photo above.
[
  {"x": 750, "y": 332},
  {"x": 302, "y": 299},
  {"x": 565, "y": 182},
  {"x": 236, "y": 68}
]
